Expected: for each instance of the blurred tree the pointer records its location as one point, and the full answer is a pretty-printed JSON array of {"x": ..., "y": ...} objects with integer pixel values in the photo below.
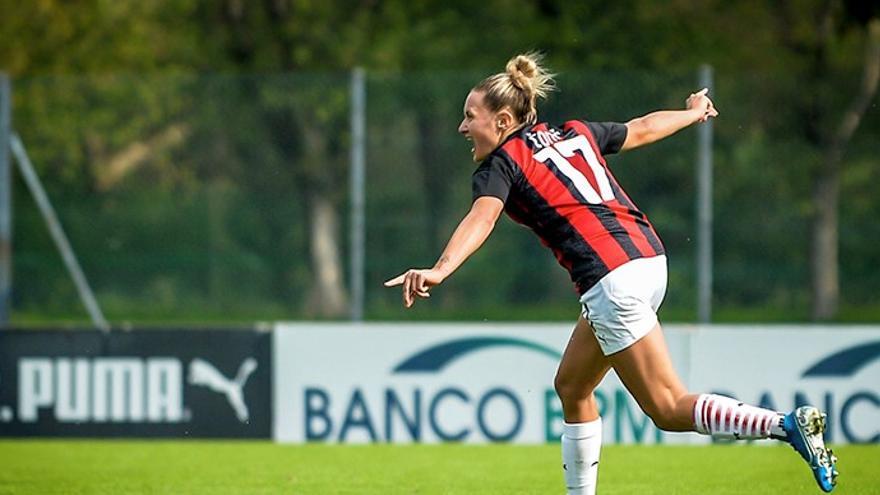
[
  {"x": 178, "y": 133},
  {"x": 818, "y": 46},
  {"x": 308, "y": 122},
  {"x": 814, "y": 34},
  {"x": 826, "y": 232}
]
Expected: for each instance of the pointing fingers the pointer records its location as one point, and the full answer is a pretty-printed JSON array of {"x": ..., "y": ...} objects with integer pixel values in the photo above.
[
  {"x": 414, "y": 284},
  {"x": 395, "y": 281}
]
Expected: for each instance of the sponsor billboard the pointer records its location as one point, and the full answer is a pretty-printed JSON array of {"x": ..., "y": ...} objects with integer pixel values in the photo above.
[
  {"x": 431, "y": 383},
  {"x": 141, "y": 383},
  {"x": 836, "y": 369},
  {"x": 479, "y": 383}
]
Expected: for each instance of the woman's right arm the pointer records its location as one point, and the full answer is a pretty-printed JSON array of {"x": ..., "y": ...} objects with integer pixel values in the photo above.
[{"x": 658, "y": 125}]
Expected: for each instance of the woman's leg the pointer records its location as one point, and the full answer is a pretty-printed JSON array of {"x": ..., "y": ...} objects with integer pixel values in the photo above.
[
  {"x": 646, "y": 371},
  {"x": 582, "y": 368}
]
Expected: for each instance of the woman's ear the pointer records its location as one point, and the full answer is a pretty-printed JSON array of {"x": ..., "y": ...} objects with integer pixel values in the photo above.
[{"x": 504, "y": 120}]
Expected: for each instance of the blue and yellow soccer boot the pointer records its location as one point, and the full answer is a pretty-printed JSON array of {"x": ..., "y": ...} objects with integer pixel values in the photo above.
[{"x": 804, "y": 427}]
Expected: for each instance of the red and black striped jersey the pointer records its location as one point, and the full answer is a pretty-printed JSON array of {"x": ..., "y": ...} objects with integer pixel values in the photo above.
[{"x": 555, "y": 181}]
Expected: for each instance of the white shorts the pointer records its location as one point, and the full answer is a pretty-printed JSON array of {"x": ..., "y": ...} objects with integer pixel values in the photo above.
[{"x": 622, "y": 306}]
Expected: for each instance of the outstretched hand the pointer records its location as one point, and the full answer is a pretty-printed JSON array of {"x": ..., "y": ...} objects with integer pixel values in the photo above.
[
  {"x": 700, "y": 101},
  {"x": 415, "y": 283}
]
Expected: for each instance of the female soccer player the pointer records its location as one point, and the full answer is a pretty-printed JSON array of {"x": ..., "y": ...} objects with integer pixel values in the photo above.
[{"x": 554, "y": 180}]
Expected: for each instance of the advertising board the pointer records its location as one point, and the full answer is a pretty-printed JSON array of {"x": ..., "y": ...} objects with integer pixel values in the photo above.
[
  {"x": 479, "y": 383},
  {"x": 142, "y": 383}
]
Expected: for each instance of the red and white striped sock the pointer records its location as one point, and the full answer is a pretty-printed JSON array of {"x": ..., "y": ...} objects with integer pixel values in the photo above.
[{"x": 723, "y": 417}]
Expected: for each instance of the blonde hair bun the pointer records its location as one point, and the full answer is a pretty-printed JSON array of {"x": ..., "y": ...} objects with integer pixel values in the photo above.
[
  {"x": 523, "y": 81},
  {"x": 527, "y": 73}
]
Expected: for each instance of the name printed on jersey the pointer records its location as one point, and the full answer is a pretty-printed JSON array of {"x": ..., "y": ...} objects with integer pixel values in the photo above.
[{"x": 542, "y": 139}]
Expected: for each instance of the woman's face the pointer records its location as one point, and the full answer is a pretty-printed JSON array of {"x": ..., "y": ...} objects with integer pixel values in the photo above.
[{"x": 480, "y": 126}]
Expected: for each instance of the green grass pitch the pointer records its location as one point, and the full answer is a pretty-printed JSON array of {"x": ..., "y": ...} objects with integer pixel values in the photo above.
[{"x": 221, "y": 467}]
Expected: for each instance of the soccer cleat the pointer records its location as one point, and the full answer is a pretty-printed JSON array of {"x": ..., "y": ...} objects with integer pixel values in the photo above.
[{"x": 804, "y": 427}]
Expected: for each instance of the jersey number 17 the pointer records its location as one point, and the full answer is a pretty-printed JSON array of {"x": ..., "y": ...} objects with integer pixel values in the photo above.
[{"x": 562, "y": 152}]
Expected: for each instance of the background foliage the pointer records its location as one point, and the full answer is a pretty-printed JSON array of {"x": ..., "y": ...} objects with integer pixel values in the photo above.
[{"x": 197, "y": 151}]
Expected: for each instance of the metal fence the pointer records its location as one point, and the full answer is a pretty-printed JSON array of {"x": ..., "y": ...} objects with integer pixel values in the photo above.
[{"x": 230, "y": 198}]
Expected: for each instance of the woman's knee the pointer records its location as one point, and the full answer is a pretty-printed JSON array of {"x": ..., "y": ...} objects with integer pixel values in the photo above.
[
  {"x": 665, "y": 413},
  {"x": 662, "y": 416},
  {"x": 571, "y": 389}
]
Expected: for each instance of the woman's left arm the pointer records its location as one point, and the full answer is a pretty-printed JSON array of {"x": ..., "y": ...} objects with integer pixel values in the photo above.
[
  {"x": 471, "y": 233},
  {"x": 658, "y": 125}
]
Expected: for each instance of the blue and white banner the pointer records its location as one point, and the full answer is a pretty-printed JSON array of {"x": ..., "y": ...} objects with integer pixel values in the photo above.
[
  {"x": 835, "y": 368},
  {"x": 478, "y": 383}
]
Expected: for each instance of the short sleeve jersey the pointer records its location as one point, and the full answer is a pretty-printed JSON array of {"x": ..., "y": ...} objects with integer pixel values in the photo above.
[{"x": 555, "y": 181}]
